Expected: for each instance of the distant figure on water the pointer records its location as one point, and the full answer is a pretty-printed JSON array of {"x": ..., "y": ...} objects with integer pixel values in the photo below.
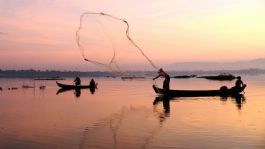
[
  {"x": 162, "y": 73},
  {"x": 93, "y": 86},
  {"x": 92, "y": 83},
  {"x": 239, "y": 85},
  {"x": 77, "y": 81}
]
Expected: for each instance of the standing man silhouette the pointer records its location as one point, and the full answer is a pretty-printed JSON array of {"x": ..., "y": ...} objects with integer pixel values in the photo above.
[{"x": 163, "y": 74}]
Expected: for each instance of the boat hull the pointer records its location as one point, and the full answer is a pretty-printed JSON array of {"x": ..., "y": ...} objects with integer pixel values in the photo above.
[
  {"x": 69, "y": 87},
  {"x": 197, "y": 93}
]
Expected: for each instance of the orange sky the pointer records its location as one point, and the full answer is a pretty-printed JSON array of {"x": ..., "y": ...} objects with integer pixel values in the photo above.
[{"x": 40, "y": 34}]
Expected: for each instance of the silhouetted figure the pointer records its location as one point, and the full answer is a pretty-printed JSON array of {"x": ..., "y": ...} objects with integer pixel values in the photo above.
[
  {"x": 162, "y": 73},
  {"x": 239, "y": 82},
  {"x": 93, "y": 86},
  {"x": 1, "y": 89},
  {"x": 92, "y": 83},
  {"x": 239, "y": 85},
  {"x": 77, "y": 81}
]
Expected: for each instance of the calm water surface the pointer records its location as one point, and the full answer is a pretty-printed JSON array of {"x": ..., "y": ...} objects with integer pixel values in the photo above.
[{"x": 127, "y": 114}]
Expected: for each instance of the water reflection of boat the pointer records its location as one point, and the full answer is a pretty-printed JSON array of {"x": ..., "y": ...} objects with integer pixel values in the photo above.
[
  {"x": 166, "y": 105},
  {"x": 77, "y": 90},
  {"x": 223, "y": 91},
  {"x": 239, "y": 100},
  {"x": 62, "y": 90}
]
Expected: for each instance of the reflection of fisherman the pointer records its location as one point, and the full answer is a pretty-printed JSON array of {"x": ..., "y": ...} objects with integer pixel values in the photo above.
[
  {"x": 77, "y": 93},
  {"x": 166, "y": 104},
  {"x": 77, "y": 81},
  {"x": 162, "y": 73}
]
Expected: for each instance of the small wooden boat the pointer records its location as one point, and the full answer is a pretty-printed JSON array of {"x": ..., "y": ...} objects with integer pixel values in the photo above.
[
  {"x": 184, "y": 76},
  {"x": 50, "y": 78},
  {"x": 27, "y": 86},
  {"x": 42, "y": 87},
  {"x": 221, "y": 77},
  {"x": 223, "y": 91},
  {"x": 67, "y": 86},
  {"x": 132, "y": 78}
]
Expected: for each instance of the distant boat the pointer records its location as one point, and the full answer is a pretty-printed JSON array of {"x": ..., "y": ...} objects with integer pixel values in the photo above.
[
  {"x": 67, "y": 87},
  {"x": 42, "y": 87},
  {"x": 184, "y": 76},
  {"x": 50, "y": 78},
  {"x": 223, "y": 91},
  {"x": 221, "y": 77},
  {"x": 27, "y": 86},
  {"x": 13, "y": 88},
  {"x": 132, "y": 77}
]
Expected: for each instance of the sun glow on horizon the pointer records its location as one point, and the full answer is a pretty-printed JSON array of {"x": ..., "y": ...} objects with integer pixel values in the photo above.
[{"x": 169, "y": 31}]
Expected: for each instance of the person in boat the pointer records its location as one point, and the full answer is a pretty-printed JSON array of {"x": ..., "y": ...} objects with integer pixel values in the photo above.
[
  {"x": 163, "y": 74},
  {"x": 239, "y": 85},
  {"x": 77, "y": 81},
  {"x": 92, "y": 83}
]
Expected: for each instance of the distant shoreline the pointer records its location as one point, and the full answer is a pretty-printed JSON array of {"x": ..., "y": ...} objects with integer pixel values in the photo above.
[{"x": 31, "y": 73}]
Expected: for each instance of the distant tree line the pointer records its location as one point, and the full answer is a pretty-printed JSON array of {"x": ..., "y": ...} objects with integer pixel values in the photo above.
[{"x": 31, "y": 73}]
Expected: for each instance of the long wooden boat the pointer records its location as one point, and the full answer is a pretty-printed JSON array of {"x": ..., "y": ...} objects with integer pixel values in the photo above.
[
  {"x": 67, "y": 86},
  {"x": 223, "y": 91}
]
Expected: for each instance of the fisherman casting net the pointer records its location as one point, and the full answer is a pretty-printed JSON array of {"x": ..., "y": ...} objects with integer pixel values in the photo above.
[{"x": 104, "y": 40}]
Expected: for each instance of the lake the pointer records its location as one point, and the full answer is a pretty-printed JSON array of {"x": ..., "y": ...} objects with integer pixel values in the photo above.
[{"x": 127, "y": 114}]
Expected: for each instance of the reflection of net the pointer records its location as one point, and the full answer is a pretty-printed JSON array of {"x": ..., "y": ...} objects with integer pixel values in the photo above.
[
  {"x": 111, "y": 63},
  {"x": 133, "y": 127}
]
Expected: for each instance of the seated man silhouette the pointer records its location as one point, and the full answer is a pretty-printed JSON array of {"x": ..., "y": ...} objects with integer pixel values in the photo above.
[
  {"x": 239, "y": 85},
  {"x": 77, "y": 81}
]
